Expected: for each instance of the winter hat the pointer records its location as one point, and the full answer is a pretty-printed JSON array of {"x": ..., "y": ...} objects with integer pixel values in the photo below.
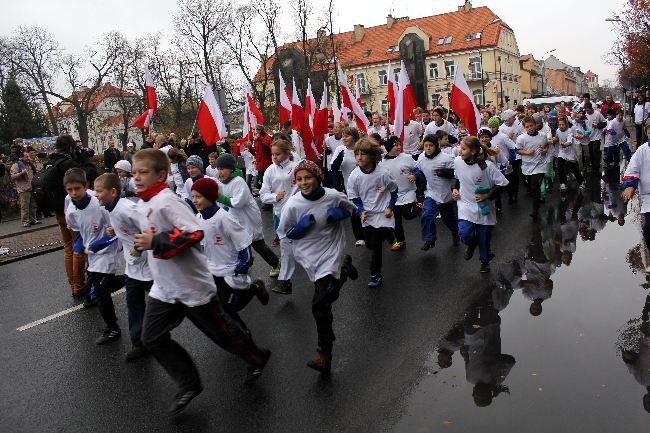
[
  {"x": 494, "y": 122},
  {"x": 508, "y": 114},
  {"x": 123, "y": 164},
  {"x": 539, "y": 119},
  {"x": 311, "y": 167},
  {"x": 552, "y": 114},
  {"x": 207, "y": 187},
  {"x": 195, "y": 160},
  {"x": 390, "y": 142},
  {"x": 484, "y": 131},
  {"x": 226, "y": 160}
]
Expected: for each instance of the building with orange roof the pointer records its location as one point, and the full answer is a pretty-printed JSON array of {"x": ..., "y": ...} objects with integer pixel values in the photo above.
[
  {"x": 106, "y": 120},
  {"x": 591, "y": 80},
  {"x": 473, "y": 39}
]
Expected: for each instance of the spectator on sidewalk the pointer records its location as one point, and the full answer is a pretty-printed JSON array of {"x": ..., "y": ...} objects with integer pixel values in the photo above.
[
  {"x": 22, "y": 173},
  {"x": 262, "y": 151},
  {"x": 130, "y": 151},
  {"x": 641, "y": 114},
  {"x": 111, "y": 156}
]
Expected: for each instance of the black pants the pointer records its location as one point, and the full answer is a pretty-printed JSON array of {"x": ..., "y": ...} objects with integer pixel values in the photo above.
[
  {"x": 594, "y": 154},
  {"x": 267, "y": 253},
  {"x": 513, "y": 178},
  {"x": 233, "y": 300},
  {"x": 357, "y": 230},
  {"x": 160, "y": 318},
  {"x": 640, "y": 135},
  {"x": 646, "y": 229},
  {"x": 406, "y": 211},
  {"x": 535, "y": 182},
  {"x": 102, "y": 285},
  {"x": 563, "y": 166},
  {"x": 135, "y": 307},
  {"x": 326, "y": 291},
  {"x": 375, "y": 237}
]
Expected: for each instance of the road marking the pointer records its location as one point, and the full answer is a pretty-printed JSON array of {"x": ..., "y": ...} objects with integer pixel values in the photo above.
[{"x": 59, "y": 314}]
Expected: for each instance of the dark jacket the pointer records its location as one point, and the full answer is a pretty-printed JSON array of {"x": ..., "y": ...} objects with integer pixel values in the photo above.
[
  {"x": 111, "y": 156},
  {"x": 53, "y": 181}
]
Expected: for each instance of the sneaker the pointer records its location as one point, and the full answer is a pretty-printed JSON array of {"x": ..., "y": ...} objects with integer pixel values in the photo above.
[
  {"x": 360, "y": 243},
  {"x": 349, "y": 268},
  {"x": 90, "y": 302},
  {"x": 276, "y": 242},
  {"x": 428, "y": 245},
  {"x": 469, "y": 252},
  {"x": 26, "y": 225},
  {"x": 182, "y": 400},
  {"x": 275, "y": 271},
  {"x": 254, "y": 373},
  {"x": 259, "y": 289},
  {"x": 35, "y": 222},
  {"x": 485, "y": 268},
  {"x": 109, "y": 335},
  {"x": 398, "y": 246},
  {"x": 322, "y": 363},
  {"x": 283, "y": 287},
  {"x": 455, "y": 239},
  {"x": 375, "y": 280},
  {"x": 562, "y": 187},
  {"x": 136, "y": 352}
]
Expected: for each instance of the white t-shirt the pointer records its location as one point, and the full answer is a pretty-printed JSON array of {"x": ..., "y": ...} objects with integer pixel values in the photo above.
[
  {"x": 184, "y": 278},
  {"x": 374, "y": 190},
  {"x": 178, "y": 181},
  {"x": 469, "y": 177},
  {"x": 400, "y": 168},
  {"x": 412, "y": 133},
  {"x": 438, "y": 188},
  {"x": 639, "y": 167},
  {"x": 596, "y": 133},
  {"x": 566, "y": 145},
  {"x": 446, "y": 126},
  {"x": 512, "y": 132},
  {"x": 320, "y": 251},
  {"x": 501, "y": 142},
  {"x": 332, "y": 144},
  {"x": 91, "y": 223},
  {"x": 249, "y": 162},
  {"x": 244, "y": 207},
  {"x": 348, "y": 163},
  {"x": 614, "y": 134},
  {"x": 223, "y": 238},
  {"x": 125, "y": 221},
  {"x": 212, "y": 172},
  {"x": 278, "y": 177},
  {"x": 381, "y": 130},
  {"x": 641, "y": 112},
  {"x": 535, "y": 163}
]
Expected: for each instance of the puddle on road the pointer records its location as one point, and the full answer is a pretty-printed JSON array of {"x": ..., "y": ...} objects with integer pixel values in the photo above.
[{"x": 557, "y": 340}]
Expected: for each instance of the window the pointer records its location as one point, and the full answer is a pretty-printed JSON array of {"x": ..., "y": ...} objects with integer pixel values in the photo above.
[
  {"x": 441, "y": 41},
  {"x": 396, "y": 72},
  {"x": 384, "y": 106},
  {"x": 383, "y": 78},
  {"x": 478, "y": 35},
  {"x": 448, "y": 40},
  {"x": 469, "y": 37},
  {"x": 478, "y": 96},
  {"x": 361, "y": 82},
  {"x": 435, "y": 100},
  {"x": 433, "y": 71},
  {"x": 475, "y": 68},
  {"x": 450, "y": 68},
  {"x": 391, "y": 49}
]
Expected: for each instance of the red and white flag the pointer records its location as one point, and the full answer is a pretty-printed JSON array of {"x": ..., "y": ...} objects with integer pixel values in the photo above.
[
  {"x": 284, "y": 108},
  {"x": 349, "y": 101},
  {"x": 392, "y": 92},
  {"x": 144, "y": 120},
  {"x": 210, "y": 119},
  {"x": 320, "y": 128},
  {"x": 152, "y": 100},
  {"x": 336, "y": 112},
  {"x": 310, "y": 104},
  {"x": 301, "y": 132},
  {"x": 462, "y": 103},
  {"x": 357, "y": 92}
]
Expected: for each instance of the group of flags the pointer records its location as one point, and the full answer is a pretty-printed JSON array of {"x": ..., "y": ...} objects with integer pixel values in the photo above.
[{"x": 309, "y": 125}]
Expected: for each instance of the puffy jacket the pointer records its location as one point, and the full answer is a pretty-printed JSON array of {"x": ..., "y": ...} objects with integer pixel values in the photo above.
[{"x": 262, "y": 151}]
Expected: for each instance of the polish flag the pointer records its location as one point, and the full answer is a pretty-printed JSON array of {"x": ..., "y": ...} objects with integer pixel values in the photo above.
[
  {"x": 210, "y": 119},
  {"x": 357, "y": 94},
  {"x": 462, "y": 103},
  {"x": 392, "y": 91},
  {"x": 247, "y": 129},
  {"x": 255, "y": 115},
  {"x": 336, "y": 112},
  {"x": 301, "y": 132},
  {"x": 144, "y": 120},
  {"x": 349, "y": 101},
  {"x": 285, "y": 101},
  {"x": 310, "y": 104},
  {"x": 320, "y": 128},
  {"x": 407, "y": 93},
  {"x": 152, "y": 100}
]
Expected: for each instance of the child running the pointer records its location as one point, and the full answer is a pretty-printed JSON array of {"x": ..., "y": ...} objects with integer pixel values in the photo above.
[
  {"x": 227, "y": 246},
  {"x": 438, "y": 168},
  {"x": 533, "y": 146},
  {"x": 478, "y": 182},
  {"x": 124, "y": 223},
  {"x": 374, "y": 193},
  {"x": 312, "y": 220},
  {"x": 183, "y": 286},
  {"x": 567, "y": 158}
]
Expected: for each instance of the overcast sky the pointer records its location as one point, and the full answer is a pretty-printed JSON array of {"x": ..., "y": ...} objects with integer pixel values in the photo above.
[{"x": 576, "y": 29}]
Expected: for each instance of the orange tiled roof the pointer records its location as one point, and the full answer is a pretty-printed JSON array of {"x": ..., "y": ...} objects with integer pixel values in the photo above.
[
  {"x": 107, "y": 91},
  {"x": 376, "y": 40},
  {"x": 589, "y": 74}
]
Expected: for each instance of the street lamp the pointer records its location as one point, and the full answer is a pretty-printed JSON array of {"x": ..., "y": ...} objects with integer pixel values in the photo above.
[
  {"x": 480, "y": 50},
  {"x": 544, "y": 67}
]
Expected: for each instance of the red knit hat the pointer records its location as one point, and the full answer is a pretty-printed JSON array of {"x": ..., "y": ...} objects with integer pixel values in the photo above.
[
  {"x": 311, "y": 167},
  {"x": 207, "y": 187}
]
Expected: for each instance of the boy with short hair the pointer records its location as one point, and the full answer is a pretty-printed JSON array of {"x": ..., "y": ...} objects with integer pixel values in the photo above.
[
  {"x": 182, "y": 283},
  {"x": 532, "y": 146},
  {"x": 86, "y": 216},
  {"x": 211, "y": 170},
  {"x": 125, "y": 224}
]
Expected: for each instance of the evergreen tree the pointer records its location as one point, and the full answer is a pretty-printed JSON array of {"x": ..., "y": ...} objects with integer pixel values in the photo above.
[{"x": 17, "y": 117}]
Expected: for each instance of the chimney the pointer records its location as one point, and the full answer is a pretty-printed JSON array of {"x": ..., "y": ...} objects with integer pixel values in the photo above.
[
  {"x": 390, "y": 21},
  {"x": 466, "y": 7},
  {"x": 359, "y": 31}
]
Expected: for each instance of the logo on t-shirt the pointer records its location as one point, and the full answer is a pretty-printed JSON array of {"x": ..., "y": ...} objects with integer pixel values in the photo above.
[
  {"x": 94, "y": 228},
  {"x": 378, "y": 188},
  {"x": 218, "y": 240}
]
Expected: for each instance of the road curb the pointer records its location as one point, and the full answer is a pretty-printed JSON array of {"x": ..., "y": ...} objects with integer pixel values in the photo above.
[
  {"x": 29, "y": 230},
  {"x": 29, "y": 255}
]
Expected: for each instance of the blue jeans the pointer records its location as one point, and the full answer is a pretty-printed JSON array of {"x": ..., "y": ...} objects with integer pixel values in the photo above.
[
  {"x": 472, "y": 234},
  {"x": 431, "y": 209},
  {"x": 135, "y": 305},
  {"x": 612, "y": 153}
]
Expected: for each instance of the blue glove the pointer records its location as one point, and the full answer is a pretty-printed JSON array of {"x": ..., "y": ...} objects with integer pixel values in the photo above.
[
  {"x": 337, "y": 214},
  {"x": 301, "y": 228},
  {"x": 78, "y": 246},
  {"x": 483, "y": 205},
  {"x": 244, "y": 261},
  {"x": 101, "y": 243}
]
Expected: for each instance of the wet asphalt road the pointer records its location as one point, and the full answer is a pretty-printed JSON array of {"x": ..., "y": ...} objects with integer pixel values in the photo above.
[{"x": 385, "y": 375}]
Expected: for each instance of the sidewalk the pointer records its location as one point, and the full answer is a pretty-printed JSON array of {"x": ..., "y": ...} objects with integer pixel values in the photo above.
[{"x": 18, "y": 242}]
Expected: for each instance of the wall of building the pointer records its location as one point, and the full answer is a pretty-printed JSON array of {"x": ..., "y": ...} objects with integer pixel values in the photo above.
[{"x": 558, "y": 81}]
